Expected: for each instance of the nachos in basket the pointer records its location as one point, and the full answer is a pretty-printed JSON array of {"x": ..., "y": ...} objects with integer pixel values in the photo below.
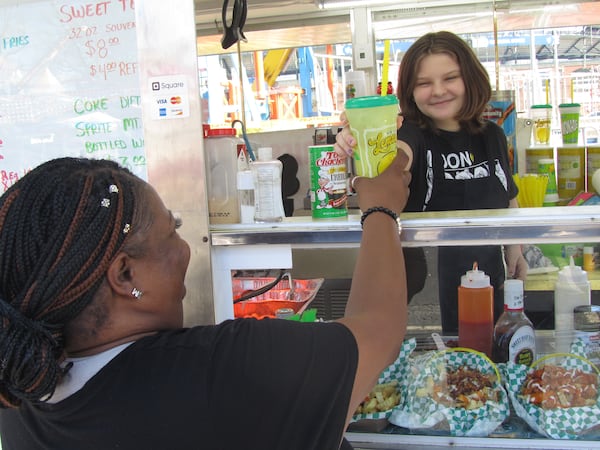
[
  {"x": 463, "y": 387},
  {"x": 456, "y": 390}
]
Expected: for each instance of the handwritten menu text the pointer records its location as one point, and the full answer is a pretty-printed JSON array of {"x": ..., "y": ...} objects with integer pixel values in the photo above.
[{"x": 68, "y": 85}]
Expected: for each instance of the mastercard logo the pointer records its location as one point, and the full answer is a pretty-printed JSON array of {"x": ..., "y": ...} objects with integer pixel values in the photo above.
[{"x": 175, "y": 100}]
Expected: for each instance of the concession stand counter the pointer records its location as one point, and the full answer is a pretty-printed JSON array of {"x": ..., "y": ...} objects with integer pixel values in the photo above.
[
  {"x": 163, "y": 55},
  {"x": 261, "y": 246}
]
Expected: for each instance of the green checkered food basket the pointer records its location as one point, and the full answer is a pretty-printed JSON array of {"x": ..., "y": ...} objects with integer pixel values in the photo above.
[
  {"x": 557, "y": 396},
  {"x": 388, "y": 391},
  {"x": 457, "y": 391}
]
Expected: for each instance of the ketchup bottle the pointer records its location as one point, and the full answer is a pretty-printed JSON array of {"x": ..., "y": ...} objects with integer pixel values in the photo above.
[{"x": 476, "y": 311}]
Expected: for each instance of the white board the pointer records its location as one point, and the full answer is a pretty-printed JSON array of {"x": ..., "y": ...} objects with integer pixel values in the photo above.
[{"x": 69, "y": 84}]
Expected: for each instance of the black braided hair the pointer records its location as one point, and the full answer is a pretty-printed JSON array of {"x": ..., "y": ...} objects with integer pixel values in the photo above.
[{"x": 60, "y": 227}]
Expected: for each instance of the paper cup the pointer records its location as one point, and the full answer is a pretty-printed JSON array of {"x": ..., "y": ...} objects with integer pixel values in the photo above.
[
  {"x": 546, "y": 167},
  {"x": 569, "y": 122},
  {"x": 542, "y": 117},
  {"x": 373, "y": 123}
]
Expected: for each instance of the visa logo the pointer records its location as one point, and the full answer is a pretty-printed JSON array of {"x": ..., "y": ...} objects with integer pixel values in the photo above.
[{"x": 161, "y": 101}]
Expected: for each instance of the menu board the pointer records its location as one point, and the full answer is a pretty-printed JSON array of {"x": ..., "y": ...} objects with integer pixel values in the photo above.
[{"x": 69, "y": 84}]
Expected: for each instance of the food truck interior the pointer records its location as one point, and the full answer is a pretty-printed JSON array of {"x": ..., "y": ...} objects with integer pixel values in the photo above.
[
  {"x": 541, "y": 52},
  {"x": 288, "y": 82},
  {"x": 281, "y": 80}
]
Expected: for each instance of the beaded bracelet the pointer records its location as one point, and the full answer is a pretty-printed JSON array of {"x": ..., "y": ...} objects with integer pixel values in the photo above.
[{"x": 381, "y": 209}]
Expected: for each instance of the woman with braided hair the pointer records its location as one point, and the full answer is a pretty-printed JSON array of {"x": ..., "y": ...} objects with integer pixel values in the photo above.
[{"x": 93, "y": 353}]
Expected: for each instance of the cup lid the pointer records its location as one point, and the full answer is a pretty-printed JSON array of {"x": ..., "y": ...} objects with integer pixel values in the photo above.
[
  {"x": 541, "y": 106},
  {"x": 569, "y": 105},
  {"x": 371, "y": 101}
]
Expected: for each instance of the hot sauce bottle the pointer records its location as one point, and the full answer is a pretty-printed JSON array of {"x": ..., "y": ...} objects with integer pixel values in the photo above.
[
  {"x": 514, "y": 336},
  {"x": 476, "y": 311}
]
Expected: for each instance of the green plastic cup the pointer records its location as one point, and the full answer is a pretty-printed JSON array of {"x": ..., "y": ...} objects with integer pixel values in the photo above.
[
  {"x": 373, "y": 123},
  {"x": 569, "y": 122},
  {"x": 546, "y": 167}
]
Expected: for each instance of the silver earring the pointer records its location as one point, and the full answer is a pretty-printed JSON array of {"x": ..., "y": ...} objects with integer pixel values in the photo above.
[{"x": 137, "y": 293}]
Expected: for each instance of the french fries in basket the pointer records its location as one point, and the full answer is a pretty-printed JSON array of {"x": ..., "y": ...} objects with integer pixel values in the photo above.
[{"x": 382, "y": 397}]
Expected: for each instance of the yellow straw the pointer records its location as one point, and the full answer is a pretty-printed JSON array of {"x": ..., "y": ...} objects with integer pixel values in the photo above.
[
  {"x": 572, "y": 91},
  {"x": 547, "y": 91},
  {"x": 532, "y": 189},
  {"x": 386, "y": 66}
]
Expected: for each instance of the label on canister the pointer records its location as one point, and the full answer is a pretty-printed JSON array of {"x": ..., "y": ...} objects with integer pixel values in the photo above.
[
  {"x": 501, "y": 109},
  {"x": 570, "y": 172},
  {"x": 328, "y": 182},
  {"x": 593, "y": 164},
  {"x": 533, "y": 156}
]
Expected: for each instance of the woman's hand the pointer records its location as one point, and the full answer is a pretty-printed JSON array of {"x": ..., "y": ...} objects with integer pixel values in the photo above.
[
  {"x": 389, "y": 189},
  {"x": 376, "y": 311}
]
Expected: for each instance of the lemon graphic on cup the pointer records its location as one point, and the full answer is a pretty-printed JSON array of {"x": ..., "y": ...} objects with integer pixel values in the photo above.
[
  {"x": 542, "y": 132},
  {"x": 385, "y": 161}
]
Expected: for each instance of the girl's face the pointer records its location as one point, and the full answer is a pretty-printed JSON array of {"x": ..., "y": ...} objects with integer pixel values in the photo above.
[{"x": 439, "y": 90}]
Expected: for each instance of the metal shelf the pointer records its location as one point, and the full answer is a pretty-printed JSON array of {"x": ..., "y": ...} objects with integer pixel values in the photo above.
[{"x": 479, "y": 227}]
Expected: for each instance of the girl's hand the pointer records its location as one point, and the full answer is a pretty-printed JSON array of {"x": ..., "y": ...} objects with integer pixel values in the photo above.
[
  {"x": 344, "y": 141},
  {"x": 516, "y": 265}
]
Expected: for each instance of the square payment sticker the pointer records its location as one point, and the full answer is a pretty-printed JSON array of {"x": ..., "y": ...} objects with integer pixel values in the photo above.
[{"x": 170, "y": 97}]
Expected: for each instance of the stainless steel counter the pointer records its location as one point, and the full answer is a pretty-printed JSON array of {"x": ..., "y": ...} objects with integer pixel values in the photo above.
[
  {"x": 362, "y": 441},
  {"x": 503, "y": 226}
]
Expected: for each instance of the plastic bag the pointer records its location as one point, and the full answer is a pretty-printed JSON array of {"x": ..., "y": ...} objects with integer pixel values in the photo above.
[
  {"x": 421, "y": 410},
  {"x": 553, "y": 422}
]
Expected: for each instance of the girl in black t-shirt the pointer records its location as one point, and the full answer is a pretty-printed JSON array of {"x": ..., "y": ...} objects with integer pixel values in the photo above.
[{"x": 460, "y": 161}]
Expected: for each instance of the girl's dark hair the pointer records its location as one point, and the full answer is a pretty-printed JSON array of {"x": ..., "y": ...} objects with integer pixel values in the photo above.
[
  {"x": 478, "y": 90},
  {"x": 60, "y": 227}
]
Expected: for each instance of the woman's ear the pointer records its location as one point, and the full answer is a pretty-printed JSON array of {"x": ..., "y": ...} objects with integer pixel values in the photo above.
[{"x": 119, "y": 275}]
